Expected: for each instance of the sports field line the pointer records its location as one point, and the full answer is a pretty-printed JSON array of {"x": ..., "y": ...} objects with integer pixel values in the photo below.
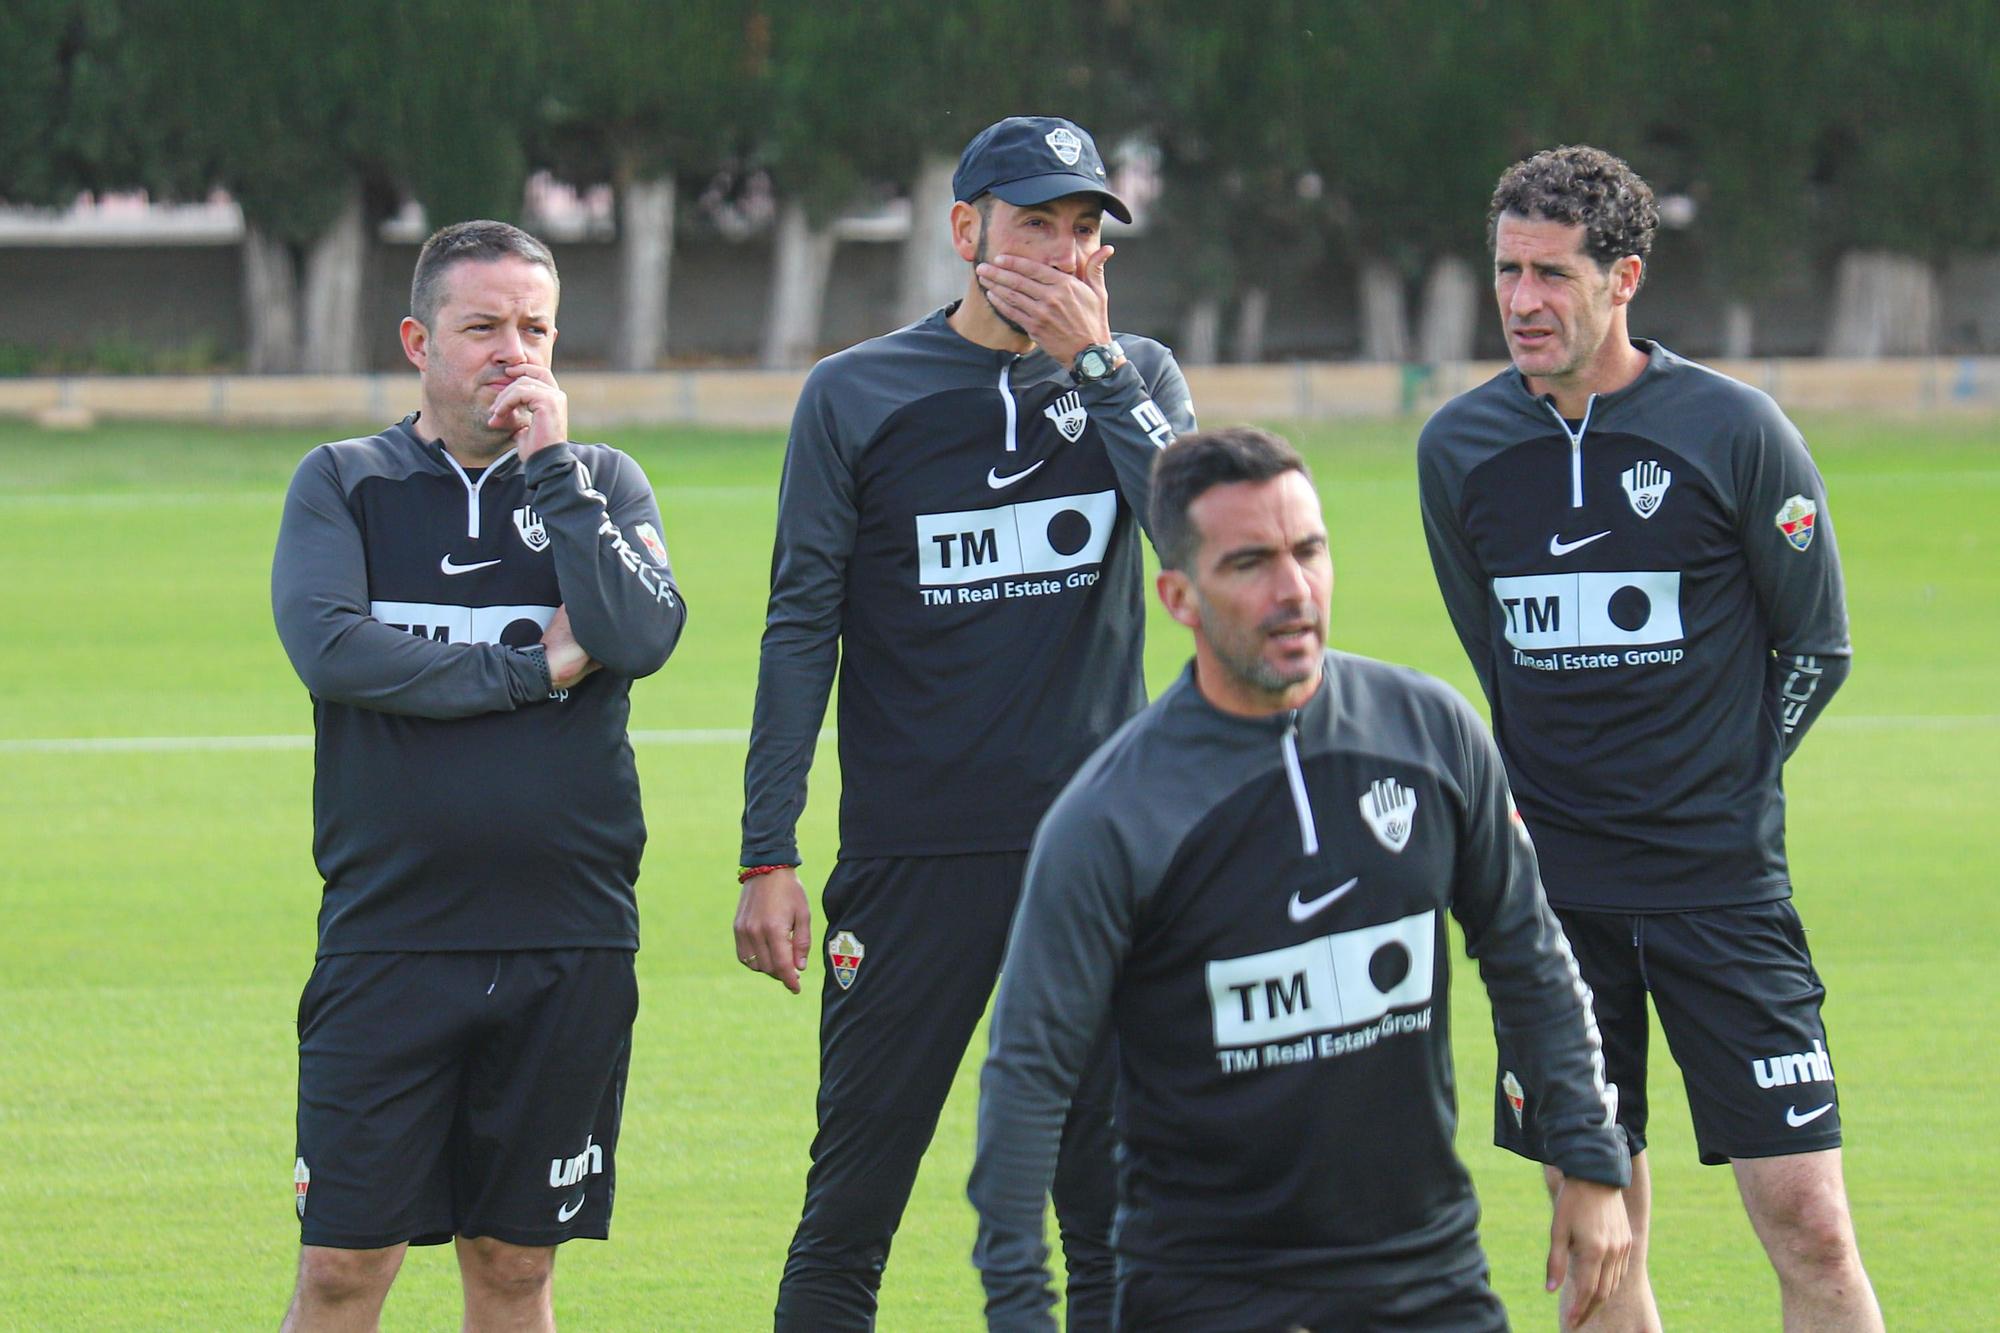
[
  {"x": 275, "y": 500},
  {"x": 737, "y": 736},
  {"x": 189, "y": 744}
]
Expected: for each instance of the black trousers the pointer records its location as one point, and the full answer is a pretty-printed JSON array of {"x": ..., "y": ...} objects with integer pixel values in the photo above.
[{"x": 912, "y": 947}]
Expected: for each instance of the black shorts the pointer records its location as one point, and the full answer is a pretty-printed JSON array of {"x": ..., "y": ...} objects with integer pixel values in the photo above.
[
  {"x": 461, "y": 1094},
  {"x": 1455, "y": 1300},
  {"x": 1739, "y": 1003}
]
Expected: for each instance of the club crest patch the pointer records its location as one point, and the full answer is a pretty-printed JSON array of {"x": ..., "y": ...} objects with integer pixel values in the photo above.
[
  {"x": 649, "y": 537},
  {"x": 301, "y": 1182},
  {"x": 845, "y": 952},
  {"x": 1646, "y": 487},
  {"x": 529, "y": 524},
  {"x": 1068, "y": 414},
  {"x": 1517, "y": 1100},
  {"x": 1390, "y": 809},
  {"x": 1795, "y": 519},
  {"x": 1062, "y": 141}
]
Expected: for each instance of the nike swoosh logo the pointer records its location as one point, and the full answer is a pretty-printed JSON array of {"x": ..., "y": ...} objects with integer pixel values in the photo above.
[
  {"x": 1557, "y": 546},
  {"x": 569, "y": 1210},
  {"x": 1794, "y": 1119},
  {"x": 996, "y": 481},
  {"x": 450, "y": 568},
  {"x": 1300, "y": 910}
]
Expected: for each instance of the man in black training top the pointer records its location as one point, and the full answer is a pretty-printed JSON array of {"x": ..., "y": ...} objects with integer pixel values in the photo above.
[
  {"x": 1251, "y": 881},
  {"x": 469, "y": 597},
  {"x": 1636, "y": 553},
  {"x": 959, "y": 526}
]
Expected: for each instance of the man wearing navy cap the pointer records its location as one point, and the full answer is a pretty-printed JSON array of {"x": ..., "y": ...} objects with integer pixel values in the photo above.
[{"x": 958, "y": 531}]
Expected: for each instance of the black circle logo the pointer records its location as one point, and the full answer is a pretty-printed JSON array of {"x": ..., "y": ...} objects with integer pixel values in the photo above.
[
  {"x": 1388, "y": 966},
  {"x": 1069, "y": 531},
  {"x": 521, "y": 634},
  {"x": 1629, "y": 608}
]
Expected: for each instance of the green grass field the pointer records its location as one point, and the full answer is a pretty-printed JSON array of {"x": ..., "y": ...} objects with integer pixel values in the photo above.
[{"x": 157, "y": 905}]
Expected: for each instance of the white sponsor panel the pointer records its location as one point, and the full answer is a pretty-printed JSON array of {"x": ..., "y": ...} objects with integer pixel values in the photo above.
[
  {"x": 1034, "y": 537},
  {"x": 1591, "y": 610},
  {"x": 459, "y": 624},
  {"x": 1325, "y": 984}
]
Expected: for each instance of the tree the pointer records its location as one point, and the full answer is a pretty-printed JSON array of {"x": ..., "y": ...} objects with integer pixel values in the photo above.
[
  {"x": 1743, "y": 144},
  {"x": 646, "y": 96},
  {"x": 882, "y": 98},
  {"x": 1423, "y": 108},
  {"x": 1230, "y": 99},
  {"x": 1912, "y": 165},
  {"x": 69, "y": 121},
  {"x": 283, "y": 107}
]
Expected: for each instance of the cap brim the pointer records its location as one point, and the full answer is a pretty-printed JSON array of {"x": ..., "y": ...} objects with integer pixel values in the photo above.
[{"x": 1031, "y": 190}]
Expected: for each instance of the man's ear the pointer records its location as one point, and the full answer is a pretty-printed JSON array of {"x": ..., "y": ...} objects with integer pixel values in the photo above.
[
  {"x": 416, "y": 341},
  {"x": 1625, "y": 274},
  {"x": 1176, "y": 592},
  {"x": 965, "y": 225}
]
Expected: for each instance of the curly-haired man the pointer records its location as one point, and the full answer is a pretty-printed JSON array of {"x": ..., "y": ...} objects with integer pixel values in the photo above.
[{"x": 1636, "y": 554}]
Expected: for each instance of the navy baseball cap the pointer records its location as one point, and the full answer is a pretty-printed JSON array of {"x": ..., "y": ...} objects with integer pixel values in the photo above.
[{"x": 1030, "y": 160}]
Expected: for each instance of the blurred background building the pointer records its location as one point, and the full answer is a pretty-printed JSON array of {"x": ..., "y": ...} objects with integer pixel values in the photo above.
[{"x": 242, "y": 186}]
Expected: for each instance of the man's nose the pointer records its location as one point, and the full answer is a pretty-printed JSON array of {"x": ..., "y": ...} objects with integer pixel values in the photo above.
[
  {"x": 1291, "y": 585},
  {"x": 1526, "y": 297},
  {"x": 508, "y": 347}
]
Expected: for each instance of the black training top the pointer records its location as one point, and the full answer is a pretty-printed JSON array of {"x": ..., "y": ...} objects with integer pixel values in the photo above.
[
  {"x": 1652, "y": 600},
  {"x": 458, "y": 804},
  {"x": 1259, "y": 906},
  {"x": 958, "y": 526}
]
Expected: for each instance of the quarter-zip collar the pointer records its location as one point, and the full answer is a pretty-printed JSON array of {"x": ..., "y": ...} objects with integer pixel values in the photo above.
[
  {"x": 1598, "y": 406},
  {"x": 1281, "y": 732},
  {"x": 436, "y": 449},
  {"x": 1009, "y": 369}
]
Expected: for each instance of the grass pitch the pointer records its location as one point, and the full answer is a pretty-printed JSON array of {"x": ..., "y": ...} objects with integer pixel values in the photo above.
[{"x": 157, "y": 903}]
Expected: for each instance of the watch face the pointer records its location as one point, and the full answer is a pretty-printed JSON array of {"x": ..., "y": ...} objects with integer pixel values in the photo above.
[{"x": 1092, "y": 364}]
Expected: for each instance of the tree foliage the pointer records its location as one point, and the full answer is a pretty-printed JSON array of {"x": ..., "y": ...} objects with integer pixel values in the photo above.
[{"x": 1287, "y": 130}]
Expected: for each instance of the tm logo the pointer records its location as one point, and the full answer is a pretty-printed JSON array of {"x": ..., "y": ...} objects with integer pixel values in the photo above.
[
  {"x": 1034, "y": 537},
  {"x": 1591, "y": 610}
]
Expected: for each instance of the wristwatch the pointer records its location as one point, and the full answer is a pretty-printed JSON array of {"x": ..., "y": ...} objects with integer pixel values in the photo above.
[{"x": 1094, "y": 362}]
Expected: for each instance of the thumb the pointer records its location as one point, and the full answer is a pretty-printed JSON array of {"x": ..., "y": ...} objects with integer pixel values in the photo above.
[
  {"x": 1097, "y": 263},
  {"x": 1558, "y": 1260}
]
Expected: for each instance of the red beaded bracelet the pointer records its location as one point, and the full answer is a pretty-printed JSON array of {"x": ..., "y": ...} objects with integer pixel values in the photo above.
[{"x": 748, "y": 873}]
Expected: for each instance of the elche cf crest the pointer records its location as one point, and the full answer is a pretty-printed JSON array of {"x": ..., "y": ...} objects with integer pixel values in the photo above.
[
  {"x": 1646, "y": 487},
  {"x": 1795, "y": 520},
  {"x": 649, "y": 537},
  {"x": 301, "y": 1182},
  {"x": 1063, "y": 142},
  {"x": 1517, "y": 1100},
  {"x": 845, "y": 952},
  {"x": 529, "y": 524},
  {"x": 1390, "y": 809},
  {"x": 1068, "y": 414}
]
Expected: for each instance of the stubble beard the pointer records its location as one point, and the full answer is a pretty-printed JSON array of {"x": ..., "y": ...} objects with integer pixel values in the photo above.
[
  {"x": 473, "y": 437},
  {"x": 1245, "y": 662},
  {"x": 979, "y": 257}
]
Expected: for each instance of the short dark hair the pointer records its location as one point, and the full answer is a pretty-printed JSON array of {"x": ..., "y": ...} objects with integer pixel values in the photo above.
[
  {"x": 1195, "y": 464},
  {"x": 1577, "y": 184},
  {"x": 481, "y": 240}
]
